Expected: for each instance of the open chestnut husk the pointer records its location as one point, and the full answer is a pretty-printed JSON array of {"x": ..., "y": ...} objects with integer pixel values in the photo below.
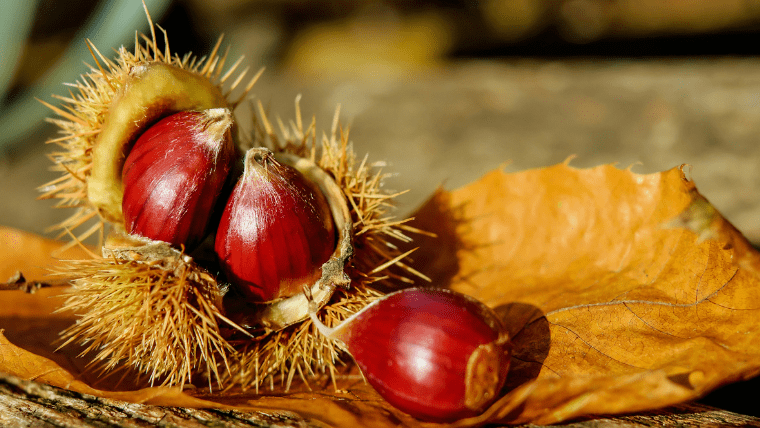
[
  {"x": 436, "y": 354},
  {"x": 154, "y": 303},
  {"x": 286, "y": 226},
  {"x": 144, "y": 302}
]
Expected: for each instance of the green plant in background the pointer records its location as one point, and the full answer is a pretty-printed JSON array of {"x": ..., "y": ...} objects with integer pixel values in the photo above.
[{"x": 111, "y": 24}]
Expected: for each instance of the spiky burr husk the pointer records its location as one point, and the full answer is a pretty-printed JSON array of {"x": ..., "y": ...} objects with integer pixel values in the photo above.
[
  {"x": 189, "y": 333},
  {"x": 159, "y": 316},
  {"x": 298, "y": 352},
  {"x": 85, "y": 111}
]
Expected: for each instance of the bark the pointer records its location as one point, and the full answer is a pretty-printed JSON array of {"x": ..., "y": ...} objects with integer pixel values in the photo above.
[
  {"x": 25, "y": 403},
  {"x": 29, "y": 404}
]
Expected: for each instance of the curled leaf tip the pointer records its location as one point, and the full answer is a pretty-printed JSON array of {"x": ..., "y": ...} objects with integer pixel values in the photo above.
[
  {"x": 569, "y": 159},
  {"x": 630, "y": 167},
  {"x": 686, "y": 169}
]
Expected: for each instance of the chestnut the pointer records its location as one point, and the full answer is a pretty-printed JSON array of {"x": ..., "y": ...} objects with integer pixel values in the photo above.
[
  {"x": 276, "y": 230},
  {"x": 435, "y": 354},
  {"x": 174, "y": 174}
]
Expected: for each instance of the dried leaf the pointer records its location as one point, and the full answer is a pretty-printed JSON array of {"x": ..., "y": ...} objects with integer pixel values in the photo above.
[
  {"x": 29, "y": 330},
  {"x": 31, "y": 255},
  {"x": 622, "y": 292},
  {"x": 613, "y": 308}
]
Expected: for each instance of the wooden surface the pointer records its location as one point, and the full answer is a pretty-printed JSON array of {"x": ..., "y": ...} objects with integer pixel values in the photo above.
[
  {"x": 450, "y": 125},
  {"x": 25, "y": 403}
]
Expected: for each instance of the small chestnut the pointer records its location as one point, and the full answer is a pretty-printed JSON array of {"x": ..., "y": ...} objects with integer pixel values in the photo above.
[
  {"x": 174, "y": 174},
  {"x": 436, "y": 354},
  {"x": 276, "y": 230}
]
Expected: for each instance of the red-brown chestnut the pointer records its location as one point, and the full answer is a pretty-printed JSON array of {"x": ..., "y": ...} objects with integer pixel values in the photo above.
[
  {"x": 174, "y": 175},
  {"x": 276, "y": 230},
  {"x": 433, "y": 353}
]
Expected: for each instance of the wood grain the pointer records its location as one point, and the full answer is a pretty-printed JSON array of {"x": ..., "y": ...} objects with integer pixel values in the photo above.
[{"x": 25, "y": 403}]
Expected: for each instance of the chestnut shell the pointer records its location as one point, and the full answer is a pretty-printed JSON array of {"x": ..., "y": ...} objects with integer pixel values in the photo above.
[
  {"x": 433, "y": 353},
  {"x": 174, "y": 174},
  {"x": 276, "y": 230}
]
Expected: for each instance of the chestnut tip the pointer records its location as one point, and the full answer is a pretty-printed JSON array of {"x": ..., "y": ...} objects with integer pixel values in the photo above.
[{"x": 217, "y": 121}]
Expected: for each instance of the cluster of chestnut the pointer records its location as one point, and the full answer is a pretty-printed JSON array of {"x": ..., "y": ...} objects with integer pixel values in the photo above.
[
  {"x": 275, "y": 229},
  {"x": 436, "y": 354},
  {"x": 205, "y": 235}
]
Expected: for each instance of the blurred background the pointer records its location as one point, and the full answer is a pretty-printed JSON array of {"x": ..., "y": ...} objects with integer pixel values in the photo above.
[{"x": 442, "y": 90}]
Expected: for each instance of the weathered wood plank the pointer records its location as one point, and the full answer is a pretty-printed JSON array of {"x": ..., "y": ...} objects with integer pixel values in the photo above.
[{"x": 29, "y": 404}]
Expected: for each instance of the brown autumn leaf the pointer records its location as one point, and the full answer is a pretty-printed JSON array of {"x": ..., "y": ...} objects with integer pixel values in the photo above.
[
  {"x": 31, "y": 255},
  {"x": 613, "y": 308},
  {"x": 613, "y": 304}
]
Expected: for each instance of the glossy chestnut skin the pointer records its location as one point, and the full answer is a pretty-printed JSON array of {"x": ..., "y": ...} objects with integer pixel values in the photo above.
[
  {"x": 276, "y": 230},
  {"x": 174, "y": 174},
  {"x": 433, "y": 353}
]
